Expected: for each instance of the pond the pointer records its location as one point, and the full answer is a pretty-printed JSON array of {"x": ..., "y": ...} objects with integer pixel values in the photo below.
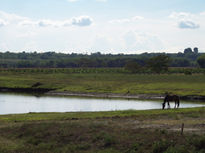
[{"x": 17, "y": 104}]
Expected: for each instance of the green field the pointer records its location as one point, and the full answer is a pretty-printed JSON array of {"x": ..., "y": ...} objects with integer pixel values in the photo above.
[
  {"x": 153, "y": 131},
  {"x": 105, "y": 81}
]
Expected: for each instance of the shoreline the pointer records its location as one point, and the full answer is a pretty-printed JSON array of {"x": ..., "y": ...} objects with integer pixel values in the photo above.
[
  {"x": 107, "y": 95},
  {"x": 52, "y": 92},
  {"x": 124, "y": 96}
]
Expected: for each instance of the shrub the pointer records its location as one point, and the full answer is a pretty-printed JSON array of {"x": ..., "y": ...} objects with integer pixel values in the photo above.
[
  {"x": 180, "y": 149},
  {"x": 108, "y": 140},
  {"x": 160, "y": 146},
  {"x": 188, "y": 73},
  {"x": 199, "y": 143}
]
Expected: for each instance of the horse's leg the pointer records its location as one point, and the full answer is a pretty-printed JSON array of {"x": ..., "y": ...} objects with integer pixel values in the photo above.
[
  {"x": 168, "y": 105},
  {"x": 178, "y": 104},
  {"x": 175, "y": 104},
  {"x": 163, "y": 105}
]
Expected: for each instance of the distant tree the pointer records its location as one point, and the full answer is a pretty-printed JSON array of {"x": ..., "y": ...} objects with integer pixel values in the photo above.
[
  {"x": 180, "y": 62},
  {"x": 86, "y": 62},
  {"x": 50, "y": 64},
  {"x": 201, "y": 61},
  {"x": 188, "y": 51},
  {"x": 179, "y": 54},
  {"x": 132, "y": 66},
  {"x": 159, "y": 63},
  {"x": 62, "y": 60},
  {"x": 196, "y": 50},
  {"x": 24, "y": 64},
  {"x": 96, "y": 54}
]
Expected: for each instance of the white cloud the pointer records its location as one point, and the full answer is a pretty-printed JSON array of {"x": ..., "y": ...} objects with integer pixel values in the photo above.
[
  {"x": 129, "y": 42},
  {"x": 2, "y": 23},
  {"x": 103, "y": 44},
  {"x": 46, "y": 23},
  {"x": 101, "y": 0},
  {"x": 185, "y": 20},
  {"x": 202, "y": 13},
  {"x": 135, "y": 18},
  {"x": 127, "y": 20},
  {"x": 78, "y": 21},
  {"x": 26, "y": 34},
  {"x": 4, "y": 46},
  {"x": 142, "y": 41},
  {"x": 27, "y": 23},
  {"x": 133, "y": 35},
  {"x": 72, "y": 0},
  {"x": 13, "y": 19},
  {"x": 82, "y": 21},
  {"x": 188, "y": 25},
  {"x": 181, "y": 15}
]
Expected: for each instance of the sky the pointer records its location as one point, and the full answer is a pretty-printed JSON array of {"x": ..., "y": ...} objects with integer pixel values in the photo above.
[{"x": 106, "y": 26}]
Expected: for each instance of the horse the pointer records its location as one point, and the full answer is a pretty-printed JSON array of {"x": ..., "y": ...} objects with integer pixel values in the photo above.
[{"x": 169, "y": 98}]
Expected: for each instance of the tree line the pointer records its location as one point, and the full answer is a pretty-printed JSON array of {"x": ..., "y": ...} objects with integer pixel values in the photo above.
[{"x": 188, "y": 58}]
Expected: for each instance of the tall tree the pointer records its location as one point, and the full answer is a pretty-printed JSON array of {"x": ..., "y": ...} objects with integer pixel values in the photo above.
[
  {"x": 196, "y": 50},
  {"x": 132, "y": 66},
  {"x": 201, "y": 61},
  {"x": 188, "y": 50},
  {"x": 159, "y": 63}
]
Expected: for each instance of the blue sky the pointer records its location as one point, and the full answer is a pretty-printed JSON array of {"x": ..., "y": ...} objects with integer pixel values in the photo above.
[{"x": 108, "y": 26}]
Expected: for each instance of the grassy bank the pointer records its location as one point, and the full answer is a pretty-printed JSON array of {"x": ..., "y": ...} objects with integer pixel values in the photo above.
[
  {"x": 106, "y": 82},
  {"x": 172, "y": 113},
  {"x": 154, "y": 131}
]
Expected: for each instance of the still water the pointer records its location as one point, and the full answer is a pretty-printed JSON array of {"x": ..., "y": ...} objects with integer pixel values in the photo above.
[{"x": 16, "y": 104}]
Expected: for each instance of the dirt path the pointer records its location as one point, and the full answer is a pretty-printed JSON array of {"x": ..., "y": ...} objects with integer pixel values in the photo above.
[{"x": 190, "y": 125}]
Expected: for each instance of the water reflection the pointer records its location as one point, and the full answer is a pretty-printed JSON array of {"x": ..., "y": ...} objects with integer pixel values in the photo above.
[{"x": 15, "y": 104}]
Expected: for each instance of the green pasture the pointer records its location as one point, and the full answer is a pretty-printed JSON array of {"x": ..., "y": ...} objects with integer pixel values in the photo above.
[
  {"x": 105, "y": 81},
  {"x": 103, "y": 132},
  {"x": 142, "y": 114}
]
